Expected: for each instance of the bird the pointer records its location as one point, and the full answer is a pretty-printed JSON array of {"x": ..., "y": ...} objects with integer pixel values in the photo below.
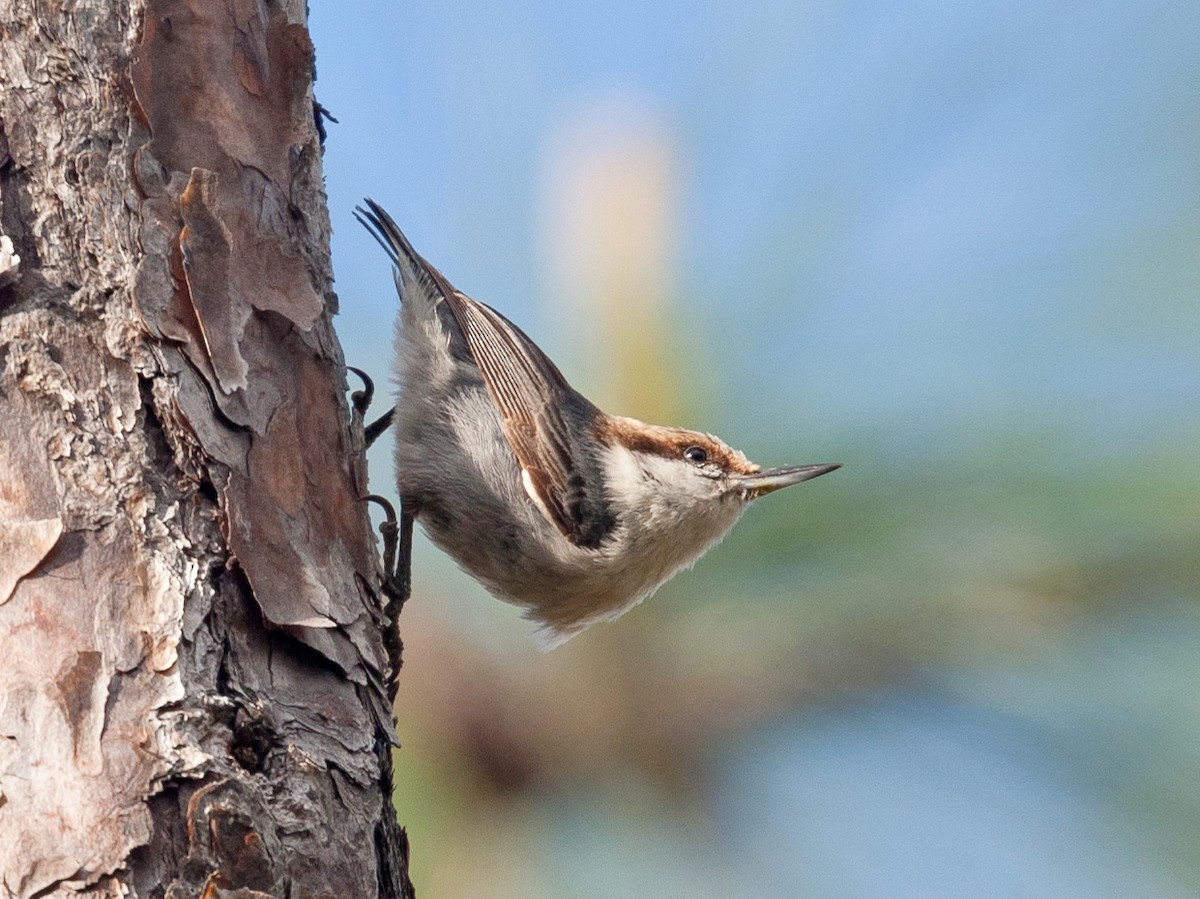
[{"x": 570, "y": 513}]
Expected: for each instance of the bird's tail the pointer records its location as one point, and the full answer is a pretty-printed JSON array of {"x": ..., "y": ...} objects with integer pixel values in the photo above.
[{"x": 410, "y": 265}]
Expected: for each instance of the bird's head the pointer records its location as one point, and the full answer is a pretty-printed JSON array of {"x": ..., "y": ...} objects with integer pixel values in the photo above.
[{"x": 685, "y": 480}]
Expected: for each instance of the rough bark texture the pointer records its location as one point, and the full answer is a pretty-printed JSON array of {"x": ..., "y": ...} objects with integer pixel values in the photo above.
[{"x": 190, "y": 657}]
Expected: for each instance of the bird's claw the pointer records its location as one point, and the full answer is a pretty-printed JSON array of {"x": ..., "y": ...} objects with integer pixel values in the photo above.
[
  {"x": 396, "y": 585},
  {"x": 360, "y": 401}
]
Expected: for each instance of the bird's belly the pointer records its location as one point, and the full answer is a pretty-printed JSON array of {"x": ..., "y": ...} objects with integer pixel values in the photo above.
[{"x": 563, "y": 589}]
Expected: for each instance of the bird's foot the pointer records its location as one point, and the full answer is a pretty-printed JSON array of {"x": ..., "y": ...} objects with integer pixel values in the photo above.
[
  {"x": 360, "y": 401},
  {"x": 396, "y": 585}
]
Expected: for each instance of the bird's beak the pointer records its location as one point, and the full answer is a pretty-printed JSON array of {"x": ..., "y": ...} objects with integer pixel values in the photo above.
[{"x": 763, "y": 482}]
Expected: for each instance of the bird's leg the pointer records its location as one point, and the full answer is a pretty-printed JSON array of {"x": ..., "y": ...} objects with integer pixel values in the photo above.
[
  {"x": 360, "y": 401},
  {"x": 397, "y": 574}
]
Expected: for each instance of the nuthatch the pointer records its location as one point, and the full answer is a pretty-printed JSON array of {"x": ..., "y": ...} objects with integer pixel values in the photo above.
[{"x": 553, "y": 505}]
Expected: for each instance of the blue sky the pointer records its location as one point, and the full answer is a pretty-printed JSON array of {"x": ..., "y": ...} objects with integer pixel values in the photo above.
[{"x": 945, "y": 210}]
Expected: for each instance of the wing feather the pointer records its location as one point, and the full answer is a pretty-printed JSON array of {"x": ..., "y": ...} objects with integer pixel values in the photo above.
[{"x": 531, "y": 395}]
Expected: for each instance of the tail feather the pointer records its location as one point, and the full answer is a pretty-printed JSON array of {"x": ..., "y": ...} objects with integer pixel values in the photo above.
[
  {"x": 416, "y": 280},
  {"x": 389, "y": 236},
  {"x": 384, "y": 229}
]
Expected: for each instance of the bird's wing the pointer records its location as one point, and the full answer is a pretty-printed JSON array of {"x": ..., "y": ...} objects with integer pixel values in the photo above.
[{"x": 547, "y": 423}]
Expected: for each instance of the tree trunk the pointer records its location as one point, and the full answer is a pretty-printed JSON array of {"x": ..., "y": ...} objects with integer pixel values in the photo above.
[{"x": 191, "y": 669}]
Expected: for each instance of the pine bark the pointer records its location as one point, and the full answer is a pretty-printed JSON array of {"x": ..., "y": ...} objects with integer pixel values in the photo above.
[{"x": 191, "y": 670}]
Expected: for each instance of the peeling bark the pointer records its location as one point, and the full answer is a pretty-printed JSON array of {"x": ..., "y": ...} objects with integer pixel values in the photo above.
[{"x": 191, "y": 699}]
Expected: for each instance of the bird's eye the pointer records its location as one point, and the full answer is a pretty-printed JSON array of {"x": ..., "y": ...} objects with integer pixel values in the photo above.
[{"x": 697, "y": 455}]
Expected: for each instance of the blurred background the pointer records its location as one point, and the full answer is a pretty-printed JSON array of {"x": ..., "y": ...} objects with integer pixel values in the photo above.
[{"x": 955, "y": 246}]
